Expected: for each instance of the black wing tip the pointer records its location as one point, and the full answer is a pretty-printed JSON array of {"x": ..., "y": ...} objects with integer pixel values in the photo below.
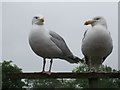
[
  {"x": 76, "y": 60},
  {"x": 79, "y": 60}
]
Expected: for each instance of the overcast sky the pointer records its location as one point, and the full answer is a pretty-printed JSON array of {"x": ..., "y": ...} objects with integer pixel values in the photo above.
[
  {"x": 0, "y": 31},
  {"x": 66, "y": 19}
]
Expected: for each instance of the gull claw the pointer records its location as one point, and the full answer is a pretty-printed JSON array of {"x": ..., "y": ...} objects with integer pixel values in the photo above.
[
  {"x": 43, "y": 72},
  {"x": 49, "y": 73}
]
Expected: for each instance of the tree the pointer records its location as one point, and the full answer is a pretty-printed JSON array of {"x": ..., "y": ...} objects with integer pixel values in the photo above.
[
  {"x": 44, "y": 83},
  {"x": 83, "y": 83},
  {"x": 75, "y": 83},
  {"x": 7, "y": 82}
]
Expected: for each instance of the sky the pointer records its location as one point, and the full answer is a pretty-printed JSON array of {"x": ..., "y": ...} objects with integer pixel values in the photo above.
[
  {"x": 119, "y": 34},
  {"x": 0, "y": 31},
  {"x": 60, "y": 1},
  {"x": 66, "y": 19}
]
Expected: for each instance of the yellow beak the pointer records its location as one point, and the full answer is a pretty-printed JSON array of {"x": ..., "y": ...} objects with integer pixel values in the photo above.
[
  {"x": 42, "y": 19},
  {"x": 88, "y": 22}
]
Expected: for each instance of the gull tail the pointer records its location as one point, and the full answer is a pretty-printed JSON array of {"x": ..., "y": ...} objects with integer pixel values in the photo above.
[{"x": 74, "y": 59}]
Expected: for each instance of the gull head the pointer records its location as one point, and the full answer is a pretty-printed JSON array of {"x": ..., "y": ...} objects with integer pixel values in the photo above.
[
  {"x": 97, "y": 21},
  {"x": 38, "y": 20}
]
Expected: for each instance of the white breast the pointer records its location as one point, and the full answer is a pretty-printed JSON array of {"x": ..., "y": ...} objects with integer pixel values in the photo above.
[
  {"x": 41, "y": 44},
  {"x": 97, "y": 42}
]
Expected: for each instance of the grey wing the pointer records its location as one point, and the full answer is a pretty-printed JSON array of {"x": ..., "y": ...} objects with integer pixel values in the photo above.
[
  {"x": 59, "y": 41},
  {"x": 108, "y": 54}
]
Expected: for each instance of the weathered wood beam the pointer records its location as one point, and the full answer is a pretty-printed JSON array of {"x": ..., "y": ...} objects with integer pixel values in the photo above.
[{"x": 81, "y": 75}]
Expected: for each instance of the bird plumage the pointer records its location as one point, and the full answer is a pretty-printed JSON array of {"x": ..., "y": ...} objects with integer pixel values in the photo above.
[
  {"x": 49, "y": 44},
  {"x": 97, "y": 42}
]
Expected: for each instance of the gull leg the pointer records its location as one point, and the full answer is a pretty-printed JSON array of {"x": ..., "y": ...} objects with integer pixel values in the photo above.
[
  {"x": 91, "y": 69},
  {"x": 50, "y": 65},
  {"x": 44, "y": 62},
  {"x": 90, "y": 66},
  {"x": 102, "y": 68},
  {"x": 49, "y": 72}
]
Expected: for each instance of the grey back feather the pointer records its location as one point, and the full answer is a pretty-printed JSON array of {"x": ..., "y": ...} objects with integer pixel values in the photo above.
[{"x": 59, "y": 41}]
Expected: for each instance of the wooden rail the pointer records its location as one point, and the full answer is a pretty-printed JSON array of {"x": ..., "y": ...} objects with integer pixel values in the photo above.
[{"x": 81, "y": 75}]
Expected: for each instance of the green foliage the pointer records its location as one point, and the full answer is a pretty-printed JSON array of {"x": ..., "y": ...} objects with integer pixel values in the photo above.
[
  {"x": 7, "y": 82},
  {"x": 43, "y": 83},
  {"x": 75, "y": 83},
  {"x": 83, "y": 83},
  {"x": 7, "y": 67}
]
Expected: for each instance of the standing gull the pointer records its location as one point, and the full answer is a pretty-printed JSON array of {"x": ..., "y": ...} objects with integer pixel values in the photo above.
[
  {"x": 48, "y": 44},
  {"x": 97, "y": 42}
]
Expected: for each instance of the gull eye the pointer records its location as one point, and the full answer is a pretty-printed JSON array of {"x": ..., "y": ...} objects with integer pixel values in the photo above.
[
  {"x": 36, "y": 17},
  {"x": 97, "y": 18}
]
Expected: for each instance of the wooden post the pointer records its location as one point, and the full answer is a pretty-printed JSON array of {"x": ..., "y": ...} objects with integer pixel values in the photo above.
[{"x": 93, "y": 82}]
